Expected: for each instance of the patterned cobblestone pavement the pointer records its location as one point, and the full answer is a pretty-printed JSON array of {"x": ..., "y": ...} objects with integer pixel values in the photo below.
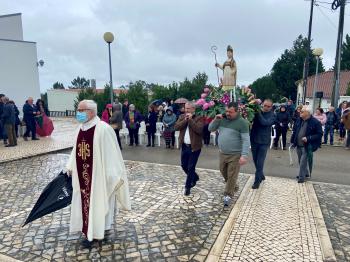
[
  {"x": 334, "y": 201},
  {"x": 162, "y": 226},
  {"x": 276, "y": 223},
  {"x": 61, "y": 138}
]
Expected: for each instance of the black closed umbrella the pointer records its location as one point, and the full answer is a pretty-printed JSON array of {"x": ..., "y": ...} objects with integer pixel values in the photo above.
[{"x": 55, "y": 196}]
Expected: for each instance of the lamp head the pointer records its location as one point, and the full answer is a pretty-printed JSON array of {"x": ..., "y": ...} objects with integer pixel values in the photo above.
[
  {"x": 317, "y": 52},
  {"x": 108, "y": 37}
]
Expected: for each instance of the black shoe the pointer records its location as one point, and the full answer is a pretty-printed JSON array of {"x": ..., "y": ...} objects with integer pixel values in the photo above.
[
  {"x": 9, "y": 145},
  {"x": 331, "y": 144},
  {"x": 35, "y": 138},
  {"x": 148, "y": 145},
  {"x": 131, "y": 145},
  {"x": 263, "y": 178},
  {"x": 307, "y": 176},
  {"x": 187, "y": 191},
  {"x": 301, "y": 181},
  {"x": 25, "y": 138},
  {"x": 152, "y": 145},
  {"x": 86, "y": 243},
  {"x": 324, "y": 143},
  {"x": 5, "y": 142},
  {"x": 256, "y": 185}
]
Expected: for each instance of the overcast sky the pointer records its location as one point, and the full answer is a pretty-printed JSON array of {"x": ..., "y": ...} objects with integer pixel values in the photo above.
[{"x": 161, "y": 41}]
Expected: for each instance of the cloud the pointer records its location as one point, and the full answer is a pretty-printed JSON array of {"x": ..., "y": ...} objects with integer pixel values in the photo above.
[{"x": 163, "y": 41}]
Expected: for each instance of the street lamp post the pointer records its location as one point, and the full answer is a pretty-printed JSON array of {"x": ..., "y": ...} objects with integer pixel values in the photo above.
[
  {"x": 109, "y": 37},
  {"x": 317, "y": 52}
]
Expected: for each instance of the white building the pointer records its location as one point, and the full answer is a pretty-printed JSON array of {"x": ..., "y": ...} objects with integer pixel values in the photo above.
[
  {"x": 19, "y": 78},
  {"x": 61, "y": 100},
  {"x": 325, "y": 85}
]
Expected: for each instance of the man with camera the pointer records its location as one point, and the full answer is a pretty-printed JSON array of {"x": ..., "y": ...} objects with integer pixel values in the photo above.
[
  {"x": 233, "y": 144},
  {"x": 190, "y": 139}
]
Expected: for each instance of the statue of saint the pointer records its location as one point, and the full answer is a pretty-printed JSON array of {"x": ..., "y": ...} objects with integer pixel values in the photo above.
[{"x": 230, "y": 71}]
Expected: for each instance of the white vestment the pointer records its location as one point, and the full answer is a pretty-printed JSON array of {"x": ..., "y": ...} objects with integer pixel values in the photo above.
[{"x": 109, "y": 182}]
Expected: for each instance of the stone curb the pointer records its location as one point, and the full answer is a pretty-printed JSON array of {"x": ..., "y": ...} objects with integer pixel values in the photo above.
[
  {"x": 35, "y": 154},
  {"x": 219, "y": 245},
  {"x": 325, "y": 242},
  {"x": 7, "y": 259}
]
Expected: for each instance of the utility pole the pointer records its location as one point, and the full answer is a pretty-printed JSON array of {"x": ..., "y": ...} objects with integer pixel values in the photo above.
[
  {"x": 306, "y": 63},
  {"x": 335, "y": 92}
]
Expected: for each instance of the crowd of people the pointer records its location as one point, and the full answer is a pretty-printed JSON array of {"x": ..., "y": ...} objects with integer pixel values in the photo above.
[{"x": 35, "y": 120}]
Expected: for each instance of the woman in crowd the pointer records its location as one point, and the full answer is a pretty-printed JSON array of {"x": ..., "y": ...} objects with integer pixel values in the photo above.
[
  {"x": 107, "y": 113},
  {"x": 321, "y": 116},
  {"x": 151, "y": 125},
  {"x": 169, "y": 121},
  {"x": 133, "y": 120},
  {"x": 340, "y": 111},
  {"x": 116, "y": 121},
  {"x": 282, "y": 120},
  {"x": 44, "y": 125}
]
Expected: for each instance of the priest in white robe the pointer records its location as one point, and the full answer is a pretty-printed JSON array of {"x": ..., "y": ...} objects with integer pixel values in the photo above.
[{"x": 99, "y": 176}]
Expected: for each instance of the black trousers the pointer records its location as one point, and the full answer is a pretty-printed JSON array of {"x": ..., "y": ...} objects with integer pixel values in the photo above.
[
  {"x": 151, "y": 138},
  {"x": 281, "y": 131},
  {"x": 189, "y": 161},
  {"x": 206, "y": 134},
  {"x": 30, "y": 128},
  {"x": 259, "y": 152},
  {"x": 118, "y": 138},
  {"x": 134, "y": 136}
]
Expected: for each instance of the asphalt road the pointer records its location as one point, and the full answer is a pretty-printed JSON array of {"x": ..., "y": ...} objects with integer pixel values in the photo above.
[{"x": 331, "y": 164}]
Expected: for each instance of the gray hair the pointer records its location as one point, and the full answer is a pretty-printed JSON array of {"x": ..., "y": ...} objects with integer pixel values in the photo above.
[
  {"x": 307, "y": 109},
  {"x": 90, "y": 104},
  {"x": 132, "y": 106},
  {"x": 191, "y": 104}
]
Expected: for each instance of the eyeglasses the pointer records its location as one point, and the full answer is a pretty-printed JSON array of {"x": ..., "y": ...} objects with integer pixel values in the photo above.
[{"x": 82, "y": 110}]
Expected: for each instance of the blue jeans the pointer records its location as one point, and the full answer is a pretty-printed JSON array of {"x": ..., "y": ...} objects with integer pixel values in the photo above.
[
  {"x": 329, "y": 129},
  {"x": 189, "y": 161},
  {"x": 259, "y": 152}
]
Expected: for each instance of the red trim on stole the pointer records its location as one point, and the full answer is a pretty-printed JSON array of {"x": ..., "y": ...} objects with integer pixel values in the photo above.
[{"x": 84, "y": 158}]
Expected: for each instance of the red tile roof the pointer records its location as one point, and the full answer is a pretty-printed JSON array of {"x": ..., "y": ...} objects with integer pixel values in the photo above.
[{"x": 325, "y": 83}]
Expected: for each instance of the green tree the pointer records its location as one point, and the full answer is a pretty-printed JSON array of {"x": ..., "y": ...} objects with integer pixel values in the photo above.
[
  {"x": 138, "y": 95},
  {"x": 345, "y": 54},
  {"x": 192, "y": 89},
  {"x": 348, "y": 90},
  {"x": 80, "y": 83},
  {"x": 289, "y": 68},
  {"x": 265, "y": 87},
  {"x": 58, "y": 85}
]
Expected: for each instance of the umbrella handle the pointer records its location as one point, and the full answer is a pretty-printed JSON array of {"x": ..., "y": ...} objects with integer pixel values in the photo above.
[{"x": 290, "y": 156}]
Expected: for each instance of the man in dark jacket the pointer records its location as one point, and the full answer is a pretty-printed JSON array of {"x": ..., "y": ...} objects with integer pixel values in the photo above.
[
  {"x": 332, "y": 121},
  {"x": 306, "y": 137},
  {"x": 190, "y": 139},
  {"x": 2, "y": 128},
  {"x": 260, "y": 139},
  {"x": 29, "y": 112},
  {"x": 9, "y": 120}
]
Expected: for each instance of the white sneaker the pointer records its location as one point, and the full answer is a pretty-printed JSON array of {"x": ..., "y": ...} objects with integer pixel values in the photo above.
[{"x": 227, "y": 200}]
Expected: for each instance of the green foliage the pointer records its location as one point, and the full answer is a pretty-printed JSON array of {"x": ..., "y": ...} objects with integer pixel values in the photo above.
[
  {"x": 137, "y": 95},
  {"x": 192, "y": 89},
  {"x": 80, "y": 83},
  {"x": 289, "y": 68},
  {"x": 58, "y": 85},
  {"x": 102, "y": 99},
  {"x": 348, "y": 90},
  {"x": 345, "y": 54},
  {"x": 265, "y": 87}
]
